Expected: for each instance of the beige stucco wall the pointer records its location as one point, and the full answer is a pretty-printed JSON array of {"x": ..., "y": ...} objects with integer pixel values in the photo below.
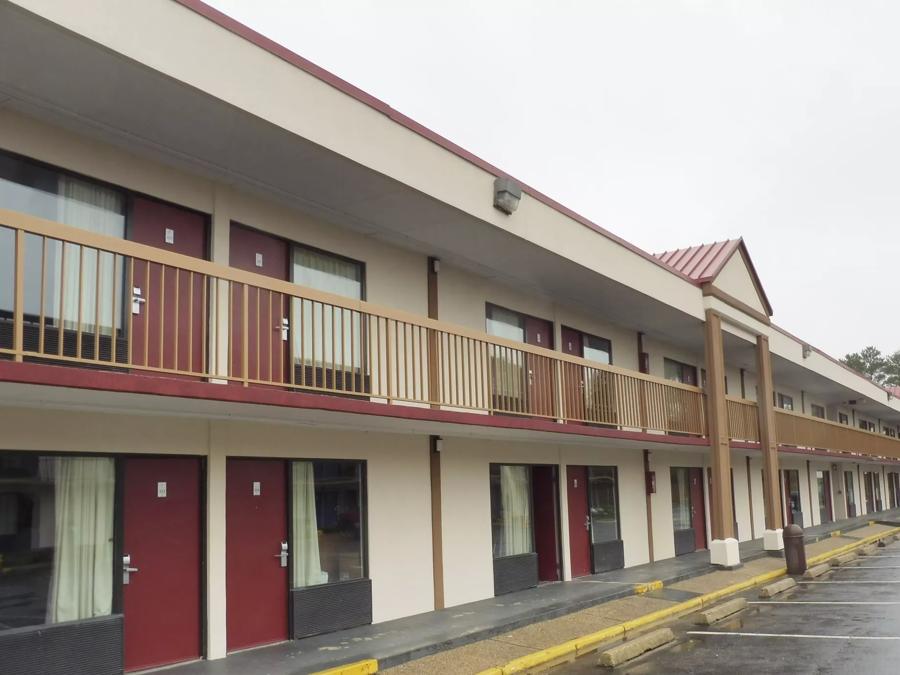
[
  {"x": 395, "y": 277},
  {"x": 756, "y": 483},
  {"x": 462, "y": 297},
  {"x": 735, "y": 280},
  {"x": 465, "y": 491},
  {"x": 810, "y": 515},
  {"x": 398, "y": 487}
]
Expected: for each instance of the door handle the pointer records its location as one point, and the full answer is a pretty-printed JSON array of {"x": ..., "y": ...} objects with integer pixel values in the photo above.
[
  {"x": 127, "y": 569},
  {"x": 283, "y": 554},
  {"x": 137, "y": 299},
  {"x": 587, "y": 523}
]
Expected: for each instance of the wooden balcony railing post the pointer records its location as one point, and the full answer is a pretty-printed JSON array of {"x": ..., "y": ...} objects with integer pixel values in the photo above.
[
  {"x": 19, "y": 303},
  {"x": 388, "y": 352},
  {"x": 559, "y": 385},
  {"x": 245, "y": 331}
]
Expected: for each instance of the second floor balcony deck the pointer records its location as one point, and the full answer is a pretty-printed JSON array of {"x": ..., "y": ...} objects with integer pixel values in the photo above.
[
  {"x": 68, "y": 296},
  {"x": 73, "y": 297}
]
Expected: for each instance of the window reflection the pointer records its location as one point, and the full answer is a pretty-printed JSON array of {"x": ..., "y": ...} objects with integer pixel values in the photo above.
[
  {"x": 56, "y": 538},
  {"x": 327, "y": 522}
]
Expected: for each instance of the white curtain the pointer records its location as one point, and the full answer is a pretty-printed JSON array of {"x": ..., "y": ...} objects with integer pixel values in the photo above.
[
  {"x": 307, "y": 564},
  {"x": 325, "y": 335},
  {"x": 101, "y": 210},
  {"x": 515, "y": 495},
  {"x": 81, "y": 584}
]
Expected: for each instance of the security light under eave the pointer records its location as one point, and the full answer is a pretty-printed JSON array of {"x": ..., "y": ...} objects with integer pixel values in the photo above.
[{"x": 507, "y": 195}]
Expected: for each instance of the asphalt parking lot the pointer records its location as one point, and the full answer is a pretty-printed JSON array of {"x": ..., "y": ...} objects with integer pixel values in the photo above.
[{"x": 847, "y": 621}]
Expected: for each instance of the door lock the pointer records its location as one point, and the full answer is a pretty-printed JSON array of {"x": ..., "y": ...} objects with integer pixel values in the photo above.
[
  {"x": 127, "y": 569},
  {"x": 283, "y": 555},
  {"x": 137, "y": 299}
]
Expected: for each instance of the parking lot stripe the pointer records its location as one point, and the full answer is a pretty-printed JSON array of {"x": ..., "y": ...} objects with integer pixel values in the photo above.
[
  {"x": 794, "y": 635},
  {"x": 822, "y": 602},
  {"x": 870, "y": 567},
  {"x": 853, "y": 581}
]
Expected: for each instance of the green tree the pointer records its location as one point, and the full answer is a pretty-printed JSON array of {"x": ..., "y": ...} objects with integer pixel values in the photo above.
[
  {"x": 871, "y": 363},
  {"x": 891, "y": 370}
]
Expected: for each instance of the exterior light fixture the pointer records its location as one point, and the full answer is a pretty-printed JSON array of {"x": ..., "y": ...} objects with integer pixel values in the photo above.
[
  {"x": 807, "y": 350},
  {"x": 507, "y": 194}
]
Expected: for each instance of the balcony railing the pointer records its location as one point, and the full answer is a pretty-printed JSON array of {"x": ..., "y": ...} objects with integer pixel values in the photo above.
[
  {"x": 69, "y": 296},
  {"x": 743, "y": 419},
  {"x": 805, "y": 431}
]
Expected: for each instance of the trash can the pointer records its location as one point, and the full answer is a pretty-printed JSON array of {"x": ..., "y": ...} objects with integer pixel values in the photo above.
[{"x": 794, "y": 549}]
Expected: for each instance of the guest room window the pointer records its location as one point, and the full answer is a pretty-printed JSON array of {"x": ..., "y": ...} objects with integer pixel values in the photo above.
[
  {"x": 56, "y": 538},
  {"x": 511, "y": 516},
  {"x": 328, "y": 516}
]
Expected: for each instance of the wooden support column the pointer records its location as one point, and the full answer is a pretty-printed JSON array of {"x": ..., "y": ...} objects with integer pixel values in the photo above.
[
  {"x": 434, "y": 453},
  {"x": 768, "y": 442},
  {"x": 649, "y": 504},
  {"x": 437, "y": 530},
  {"x": 721, "y": 511}
]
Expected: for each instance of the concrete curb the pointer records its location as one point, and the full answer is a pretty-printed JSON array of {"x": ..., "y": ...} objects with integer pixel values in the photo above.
[
  {"x": 816, "y": 571},
  {"x": 779, "y": 586},
  {"x": 572, "y": 649},
  {"x": 631, "y": 649},
  {"x": 843, "y": 559},
  {"x": 719, "y": 612},
  {"x": 364, "y": 667},
  {"x": 640, "y": 589}
]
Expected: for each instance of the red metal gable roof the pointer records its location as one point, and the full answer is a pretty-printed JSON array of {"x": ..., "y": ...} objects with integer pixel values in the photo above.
[{"x": 700, "y": 263}]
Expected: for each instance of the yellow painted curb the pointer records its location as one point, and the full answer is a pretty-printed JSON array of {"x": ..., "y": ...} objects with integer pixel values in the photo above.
[
  {"x": 364, "y": 667},
  {"x": 581, "y": 645},
  {"x": 640, "y": 589}
]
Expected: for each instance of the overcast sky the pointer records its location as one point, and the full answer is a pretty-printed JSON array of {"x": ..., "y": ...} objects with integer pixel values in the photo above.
[{"x": 669, "y": 123}]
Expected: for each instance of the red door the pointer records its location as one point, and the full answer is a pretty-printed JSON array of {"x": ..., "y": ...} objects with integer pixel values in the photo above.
[
  {"x": 546, "y": 539},
  {"x": 166, "y": 305},
  {"x": 267, "y": 311},
  {"x": 579, "y": 520},
  {"x": 698, "y": 514},
  {"x": 539, "y": 370},
  {"x": 574, "y": 375},
  {"x": 161, "y": 599},
  {"x": 257, "y": 576}
]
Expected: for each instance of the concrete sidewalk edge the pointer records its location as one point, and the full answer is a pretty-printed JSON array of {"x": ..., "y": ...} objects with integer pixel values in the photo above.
[{"x": 574, "y": 648}]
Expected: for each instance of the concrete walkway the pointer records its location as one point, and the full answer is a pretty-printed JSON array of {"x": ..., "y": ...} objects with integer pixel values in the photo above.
[
  {"x": 500, "y": 649},
  {"x": 565, "y": 610}
]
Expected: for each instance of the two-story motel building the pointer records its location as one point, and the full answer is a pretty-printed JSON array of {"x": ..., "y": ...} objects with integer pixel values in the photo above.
[{"x": 275, "y": 360}]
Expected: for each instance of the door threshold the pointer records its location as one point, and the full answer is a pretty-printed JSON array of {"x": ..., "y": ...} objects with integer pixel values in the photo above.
[
  {"x": 255, "y": 647},
  {"x": 168, "y": 666}
]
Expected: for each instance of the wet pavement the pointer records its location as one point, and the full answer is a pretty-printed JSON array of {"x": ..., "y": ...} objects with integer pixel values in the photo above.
[{"x": 844, "y": 622}]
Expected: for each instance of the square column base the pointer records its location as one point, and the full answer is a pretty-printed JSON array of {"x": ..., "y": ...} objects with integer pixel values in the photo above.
[
  {"x": 773, "y": 540},
  {"x": 725, "y": 553}
]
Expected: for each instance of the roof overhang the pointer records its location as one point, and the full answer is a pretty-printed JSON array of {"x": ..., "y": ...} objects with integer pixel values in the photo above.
[{"x": 44, "y": 70}]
